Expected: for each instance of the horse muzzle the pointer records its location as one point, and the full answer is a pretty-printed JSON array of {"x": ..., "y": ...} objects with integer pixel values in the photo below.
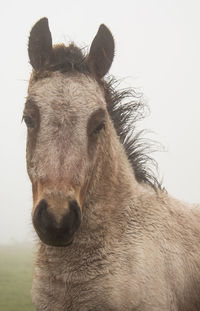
[{"x": 53, "y": 228}]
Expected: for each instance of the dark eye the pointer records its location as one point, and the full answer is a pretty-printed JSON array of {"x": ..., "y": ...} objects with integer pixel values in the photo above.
[
  {"x": 29, "y": 121},
  {"x": 100, "y": 127}
]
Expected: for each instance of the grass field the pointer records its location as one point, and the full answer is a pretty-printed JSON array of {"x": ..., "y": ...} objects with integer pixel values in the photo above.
[{"x": 16, "y": 263}]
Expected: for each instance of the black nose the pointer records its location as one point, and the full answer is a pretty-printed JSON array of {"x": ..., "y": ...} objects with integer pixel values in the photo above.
[{"x": 53, "y": 232}]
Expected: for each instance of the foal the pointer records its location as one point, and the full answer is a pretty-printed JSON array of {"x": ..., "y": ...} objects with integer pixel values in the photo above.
[{"x": 109, "y": 237}]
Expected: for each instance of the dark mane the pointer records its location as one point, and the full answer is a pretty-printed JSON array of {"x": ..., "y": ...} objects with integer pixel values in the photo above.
[{"x": 125, "y": 109}]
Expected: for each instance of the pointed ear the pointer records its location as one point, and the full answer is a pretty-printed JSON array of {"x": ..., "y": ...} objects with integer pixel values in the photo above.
[
  {"x": 101, "y": 52},
  {"x": 40, "y": 44}
]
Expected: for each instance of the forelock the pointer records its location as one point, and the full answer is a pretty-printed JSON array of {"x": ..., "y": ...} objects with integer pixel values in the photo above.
[{"x": 64, "y": 59}]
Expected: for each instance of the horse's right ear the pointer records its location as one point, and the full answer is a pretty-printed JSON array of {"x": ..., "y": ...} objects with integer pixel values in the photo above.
[{"x": 40, "y": 44}]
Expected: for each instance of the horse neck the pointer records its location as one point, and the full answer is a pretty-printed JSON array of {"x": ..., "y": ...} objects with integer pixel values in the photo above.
[{"x": 112, "y": 186}]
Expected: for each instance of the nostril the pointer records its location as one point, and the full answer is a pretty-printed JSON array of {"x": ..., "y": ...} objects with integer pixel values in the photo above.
[
  {"x": 41, "y": 210},
  {"x": 74, "y": 214},
  {"x": 42, "y": 218},
  {"x": 41, "y": 207}
]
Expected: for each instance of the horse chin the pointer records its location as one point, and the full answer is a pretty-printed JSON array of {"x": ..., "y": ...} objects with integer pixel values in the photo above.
[{"x": 57, "y": 243}]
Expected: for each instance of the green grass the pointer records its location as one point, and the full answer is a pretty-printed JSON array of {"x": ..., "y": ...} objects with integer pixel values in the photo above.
[{"x": 16, "y": 262}]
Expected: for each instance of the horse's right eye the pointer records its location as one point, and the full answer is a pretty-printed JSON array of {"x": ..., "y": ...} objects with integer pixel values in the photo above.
[{"x": 29, "y": 121}]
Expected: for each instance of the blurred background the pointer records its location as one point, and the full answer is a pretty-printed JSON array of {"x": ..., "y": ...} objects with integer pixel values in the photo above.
[{"x": 157, "y": 53}]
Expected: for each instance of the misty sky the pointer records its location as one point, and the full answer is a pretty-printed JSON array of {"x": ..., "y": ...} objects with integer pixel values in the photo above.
[{"x": 157, "y": 51}]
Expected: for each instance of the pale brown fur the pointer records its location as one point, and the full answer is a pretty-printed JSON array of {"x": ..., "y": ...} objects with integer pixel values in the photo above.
[{"x": 137, "y": 248}]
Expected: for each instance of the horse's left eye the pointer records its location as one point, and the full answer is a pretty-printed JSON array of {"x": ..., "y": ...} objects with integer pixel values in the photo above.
[
  {"x": 29, "y": 121},
  {"x": 100, "y": 127}
]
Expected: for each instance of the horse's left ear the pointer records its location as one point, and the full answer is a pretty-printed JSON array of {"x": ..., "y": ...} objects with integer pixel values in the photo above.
[
  {"x": 40, "y": 44},
  {"x": 101, "y": 52}
]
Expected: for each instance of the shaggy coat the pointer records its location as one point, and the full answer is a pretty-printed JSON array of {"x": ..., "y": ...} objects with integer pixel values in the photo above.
[{"x": 135, "y": 248}]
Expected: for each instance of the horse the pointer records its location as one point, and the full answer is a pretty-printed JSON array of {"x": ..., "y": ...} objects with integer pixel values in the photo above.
[{"x": 109, "y": 235}]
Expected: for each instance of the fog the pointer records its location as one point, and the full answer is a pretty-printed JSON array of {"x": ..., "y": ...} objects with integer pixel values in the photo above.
[{"x": 157, "y": 52}]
